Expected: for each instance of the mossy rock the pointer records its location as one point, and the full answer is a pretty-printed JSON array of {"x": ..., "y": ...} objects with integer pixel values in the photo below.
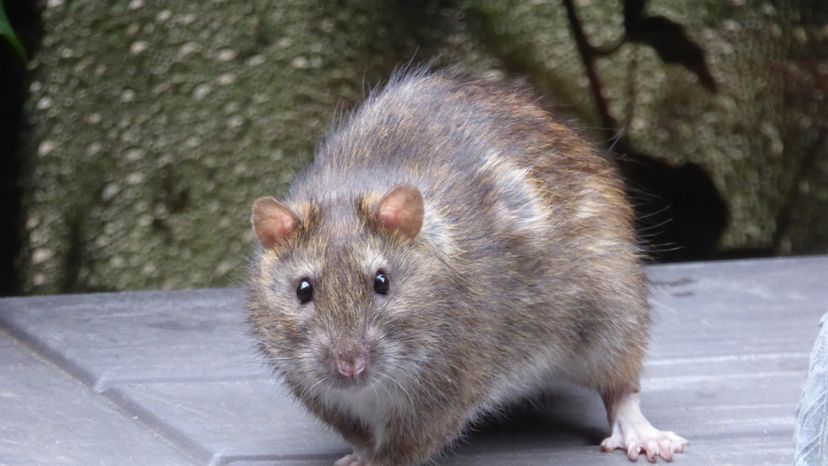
[{"x": 153, "y": 126}]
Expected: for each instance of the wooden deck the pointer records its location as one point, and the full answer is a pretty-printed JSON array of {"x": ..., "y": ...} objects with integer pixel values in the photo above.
[{"x": 169, "y": 378}]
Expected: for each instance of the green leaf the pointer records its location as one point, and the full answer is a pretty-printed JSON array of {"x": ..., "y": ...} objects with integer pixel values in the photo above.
[{"x": 7, "y": 32}]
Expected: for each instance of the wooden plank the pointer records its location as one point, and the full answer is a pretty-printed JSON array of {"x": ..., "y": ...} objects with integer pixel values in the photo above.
[{"x": 728, "y": 359}]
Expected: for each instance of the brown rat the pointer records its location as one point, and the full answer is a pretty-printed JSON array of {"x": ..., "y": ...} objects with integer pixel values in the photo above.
[{"x": 451, "y": 249}]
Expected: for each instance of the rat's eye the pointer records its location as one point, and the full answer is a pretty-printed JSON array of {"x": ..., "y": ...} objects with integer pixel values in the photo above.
[
  {"x": 304, "y": 291},
  {"x": 381, "y": 283}
]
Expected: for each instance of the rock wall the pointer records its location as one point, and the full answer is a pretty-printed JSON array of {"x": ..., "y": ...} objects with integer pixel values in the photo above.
[{"x": 153, "y": 125}]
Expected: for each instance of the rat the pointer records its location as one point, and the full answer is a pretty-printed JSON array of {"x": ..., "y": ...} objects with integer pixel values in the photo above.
[{"x": 452, "y": 249}]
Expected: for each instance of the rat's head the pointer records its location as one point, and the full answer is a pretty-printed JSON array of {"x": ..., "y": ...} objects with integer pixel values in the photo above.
[{"x": 339, "y": 292}]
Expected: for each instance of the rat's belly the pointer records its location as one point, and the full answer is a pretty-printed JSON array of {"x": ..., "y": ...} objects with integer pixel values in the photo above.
[{"x": 527, "y": 379}]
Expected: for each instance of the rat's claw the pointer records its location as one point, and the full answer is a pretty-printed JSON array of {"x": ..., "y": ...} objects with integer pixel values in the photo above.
[
  {"x": 651, "y": 450},
  {"x": 666, "y": 449},
  {"x": 656, "y": 445},
  {"x": 633, "y": 450},
  {"x": 352, "y": 460}
]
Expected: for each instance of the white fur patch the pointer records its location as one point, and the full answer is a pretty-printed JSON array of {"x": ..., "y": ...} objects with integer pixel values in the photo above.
[
  {"x": 439, "y": 231},
  {"x": 589, "y": 206},
  {"x": 370, "y": 405},
  {"x": 606, "y": 247},
  {"x": 371, "y": 260},
  {"x": 520, "y": 206}
]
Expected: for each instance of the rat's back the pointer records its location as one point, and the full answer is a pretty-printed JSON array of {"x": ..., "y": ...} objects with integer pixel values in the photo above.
[
  {"x": 486, "y": 156},
  {"x": 431, "y": 128}
]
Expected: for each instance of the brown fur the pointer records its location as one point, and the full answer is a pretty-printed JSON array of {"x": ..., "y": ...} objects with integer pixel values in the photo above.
[{"x": 527, "y": 252}]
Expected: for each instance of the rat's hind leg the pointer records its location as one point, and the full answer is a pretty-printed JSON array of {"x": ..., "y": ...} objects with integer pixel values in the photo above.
[
  {"x": 612, "y": 362},
  {"x": 633, "y": 433},
  {"x": 616, "y": 376}
]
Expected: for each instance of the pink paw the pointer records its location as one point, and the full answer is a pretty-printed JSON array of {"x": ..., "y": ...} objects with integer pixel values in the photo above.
[
  {"x": 653, "y": 443},
  {"x": 353, "y": 459}
]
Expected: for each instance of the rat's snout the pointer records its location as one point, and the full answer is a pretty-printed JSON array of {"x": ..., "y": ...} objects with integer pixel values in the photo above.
[{"x": 350, "y": 364}]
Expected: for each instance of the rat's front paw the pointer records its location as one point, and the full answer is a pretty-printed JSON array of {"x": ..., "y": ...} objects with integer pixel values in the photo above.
[
  {"x": 354, "y": 459},
  {"x": 653, "y": 443}
]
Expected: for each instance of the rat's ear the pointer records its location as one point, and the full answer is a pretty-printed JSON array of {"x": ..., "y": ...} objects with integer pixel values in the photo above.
[
  {"x": 401, "y": 209},
  {"x": 272, "y": 221}
]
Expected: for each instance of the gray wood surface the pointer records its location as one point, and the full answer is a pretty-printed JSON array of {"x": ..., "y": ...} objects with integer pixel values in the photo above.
[{"x": 173, "y": 378}]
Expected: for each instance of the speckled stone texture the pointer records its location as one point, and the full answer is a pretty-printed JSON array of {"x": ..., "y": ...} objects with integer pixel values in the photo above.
[{"x": 153, "y": 125}]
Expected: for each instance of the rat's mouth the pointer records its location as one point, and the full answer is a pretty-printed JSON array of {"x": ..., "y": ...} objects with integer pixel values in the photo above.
[{"x": 351, "y": 384}]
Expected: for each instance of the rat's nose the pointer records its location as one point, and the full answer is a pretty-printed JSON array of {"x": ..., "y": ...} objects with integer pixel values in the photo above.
[{"x": 350, "y": 366}]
